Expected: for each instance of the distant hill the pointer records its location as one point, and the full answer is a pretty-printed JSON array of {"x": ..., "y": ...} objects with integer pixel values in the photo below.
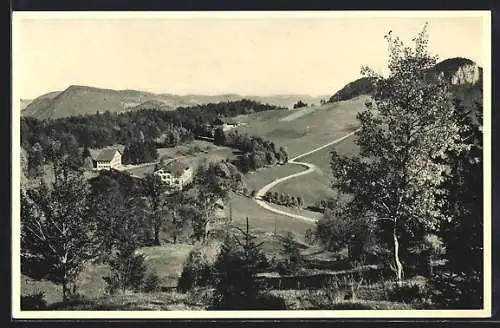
[
  {"x": 462, "y": 73},
  {"x": 78, "y": 100},
  {"x": 25, "y": 103},
  {"x": 42, "y": 102},
  {"x": 362, "y": 86}
]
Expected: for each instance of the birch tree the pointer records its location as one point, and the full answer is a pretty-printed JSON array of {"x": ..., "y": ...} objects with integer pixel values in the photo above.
[
  {"x": 154, "y": 191},
  {"x": 213, "y": 182},
  {"x": 57, "y": 234},
  {"x": 397, "y": 179}
]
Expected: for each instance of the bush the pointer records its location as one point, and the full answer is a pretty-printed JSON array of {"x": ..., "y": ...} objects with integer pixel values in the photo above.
[
  {"x": 200, "y": 296},
  {"x": 198, "y": 269},
  {"x": 310, "y": 237},
  {"x": 456, "y": 291},
  {"x": 127, "y": 273},
  {"x": 152, "y": 283},
  {"x": 33, "y": 302},
  {"x": 330, "y": 293},
  {"x": 292, "y": 258},
  {"x": 409, "y": 294}
]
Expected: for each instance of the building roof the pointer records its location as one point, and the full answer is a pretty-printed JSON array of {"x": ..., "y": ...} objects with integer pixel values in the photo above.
[
  {"x": 226, "y": 120},
  {"x": 106, "y": 155},
  {"x": 176, "y": 168}
]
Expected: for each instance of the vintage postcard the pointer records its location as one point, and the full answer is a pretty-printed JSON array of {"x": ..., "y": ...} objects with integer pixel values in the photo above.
[{"x": 316, "y": 164}]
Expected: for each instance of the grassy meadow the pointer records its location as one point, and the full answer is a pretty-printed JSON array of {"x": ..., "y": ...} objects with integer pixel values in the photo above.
[
  {"x": 314, "y": 126},
  {"x": 166, "y": 261},
  {"x": 262, "y": 219},
  {"x": 317, "y": 185}
]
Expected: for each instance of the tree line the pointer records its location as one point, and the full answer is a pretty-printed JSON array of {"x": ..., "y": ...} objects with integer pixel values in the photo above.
[
  {"x": 167, "y": 128},
  {"x": 256, "y": 152},
  {"x": 139, "y": 151},
  {"x": 283, "y": 199}
]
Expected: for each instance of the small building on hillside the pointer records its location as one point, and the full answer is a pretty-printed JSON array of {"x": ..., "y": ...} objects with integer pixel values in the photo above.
[
  {"x": 225, "y": 123},
  {"x": 108, "y": 159},
  {"x": 176, "y": 174}
]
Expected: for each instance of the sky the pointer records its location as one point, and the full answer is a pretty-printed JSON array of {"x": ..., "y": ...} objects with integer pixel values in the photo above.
[{"x": 257, "y": 54}]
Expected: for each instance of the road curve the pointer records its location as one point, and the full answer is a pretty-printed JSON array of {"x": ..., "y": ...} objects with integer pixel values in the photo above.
[{"x": 309, "y": 168}]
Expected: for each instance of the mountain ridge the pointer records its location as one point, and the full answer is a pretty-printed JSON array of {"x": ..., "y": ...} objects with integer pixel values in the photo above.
[
  {"x": 458, "y": 71},
  {"x": 82, "y": 99}
]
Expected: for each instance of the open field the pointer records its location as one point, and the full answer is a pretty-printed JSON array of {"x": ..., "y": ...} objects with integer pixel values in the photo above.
[
  {"x": 311, "y": 187},
  {"x": 265, "y": 220},
  {"x": 316, "y": 186},
  {"x": 166, "y": 261},
  {"x": 321, "y": 158},
  {"x": 314, "y": 126},
  {"x": 90, "y": 284},
  {"x": 192, "y": 148},
  {"x": 258, "y": 179}
]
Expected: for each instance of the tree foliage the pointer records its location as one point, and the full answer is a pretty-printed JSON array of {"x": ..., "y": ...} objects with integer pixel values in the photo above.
[
  {"x": 240, "y": 259},
  {"x": 128, "y": 270},
  {"x": 138, "y": 152},
  {"x": 299, "y": 104},
  {"x": 397, "y": 179},
  {"x": 167, "y": 128},
  {"x": 213, "y": 183},
  {"x": 463, "y": 232},
  {"x": 58, "y": 236},
  {"x": 292, "y": 258},
  {"x": 154, "y": 190},
  {"x": 256, "y": 151}
]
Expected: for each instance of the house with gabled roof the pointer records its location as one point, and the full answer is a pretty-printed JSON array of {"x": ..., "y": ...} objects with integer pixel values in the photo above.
[
  {"x": 108, "y": 159},
  {"x": 176, "y": 174},
  {"x": 225, "y": 123}
]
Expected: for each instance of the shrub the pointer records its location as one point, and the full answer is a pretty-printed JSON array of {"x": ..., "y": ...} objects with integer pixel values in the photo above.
[
  {"x": 33, "y": 302},
  {"x": 408, "y": 293},
  {"x": 198, "y": 269},
  {"x": 310, "y": 237},
  {"x": 127, "y": 272},
  {"x": 152, "y": 283},
  {"x": 292, "y": 259},
  {"x": 200, "y": 296},
  {"x": 456, "y": 291}
]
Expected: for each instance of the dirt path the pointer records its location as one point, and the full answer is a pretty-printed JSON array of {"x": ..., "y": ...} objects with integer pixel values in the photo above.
[{"x": 309, "y": 169}]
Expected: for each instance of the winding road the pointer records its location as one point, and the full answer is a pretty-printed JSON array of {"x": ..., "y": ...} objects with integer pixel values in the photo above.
[{"x": 309, "y": 169}]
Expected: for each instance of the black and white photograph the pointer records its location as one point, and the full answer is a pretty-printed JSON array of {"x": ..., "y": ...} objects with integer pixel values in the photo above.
[{"x": 266, "y": 164}]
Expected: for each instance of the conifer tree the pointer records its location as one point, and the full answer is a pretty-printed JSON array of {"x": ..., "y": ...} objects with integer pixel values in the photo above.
[{"x": 240, "y": 259}]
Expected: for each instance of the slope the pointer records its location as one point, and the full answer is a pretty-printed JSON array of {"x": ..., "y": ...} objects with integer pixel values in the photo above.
[
  {"x": 457, "y": 71},
  {"x": 79, "y": 100},
  {"x": 305, "y": 129}
]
